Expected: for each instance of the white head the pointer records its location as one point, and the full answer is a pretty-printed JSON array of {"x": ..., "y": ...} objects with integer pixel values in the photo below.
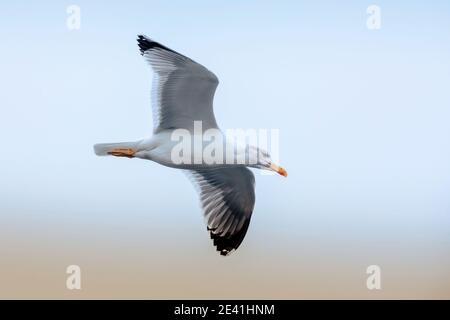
[{"x": 259, "y": 158}]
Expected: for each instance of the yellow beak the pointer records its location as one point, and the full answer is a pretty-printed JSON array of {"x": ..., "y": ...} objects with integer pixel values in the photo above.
[{"x": 278, "y": 169}]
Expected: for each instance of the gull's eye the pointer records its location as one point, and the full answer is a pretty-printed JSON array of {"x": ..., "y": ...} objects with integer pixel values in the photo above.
[{"x": 265, "y": 154}]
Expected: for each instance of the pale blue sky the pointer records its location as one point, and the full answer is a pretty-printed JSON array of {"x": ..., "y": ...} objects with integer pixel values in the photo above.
[{"x": 363, "y": 118}]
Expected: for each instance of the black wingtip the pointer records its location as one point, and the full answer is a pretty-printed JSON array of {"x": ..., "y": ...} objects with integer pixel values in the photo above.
[
  {"x": 145, "y": 44},
  {"x": 225, "y": 244}
]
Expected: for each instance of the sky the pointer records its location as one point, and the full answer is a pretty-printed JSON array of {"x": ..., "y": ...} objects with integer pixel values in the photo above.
[{"x": 363, "y": 121}]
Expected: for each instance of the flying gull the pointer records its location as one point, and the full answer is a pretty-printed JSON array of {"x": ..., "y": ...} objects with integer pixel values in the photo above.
[{"x": 182, "y": 96}]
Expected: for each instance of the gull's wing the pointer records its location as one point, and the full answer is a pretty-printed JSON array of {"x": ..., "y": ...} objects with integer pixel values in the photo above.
[
  {"x": 183, "y": 90},
  {"x": 228, "y": 197}
]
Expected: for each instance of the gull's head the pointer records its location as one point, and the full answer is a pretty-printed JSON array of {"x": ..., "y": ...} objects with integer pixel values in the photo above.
[{"x": 259, "y": 158}]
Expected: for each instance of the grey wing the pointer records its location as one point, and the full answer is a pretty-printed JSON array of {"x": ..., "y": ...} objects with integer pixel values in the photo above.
[
  {"x": 228, "y": 197},
  {"x": 183, "y": 90}
]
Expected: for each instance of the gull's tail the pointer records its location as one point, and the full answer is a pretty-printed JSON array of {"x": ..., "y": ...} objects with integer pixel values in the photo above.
[{"x": 106, "y": 149}]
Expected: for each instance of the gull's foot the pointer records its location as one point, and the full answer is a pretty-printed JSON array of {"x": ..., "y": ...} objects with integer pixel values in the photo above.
[{"x": 122, "y": 152}]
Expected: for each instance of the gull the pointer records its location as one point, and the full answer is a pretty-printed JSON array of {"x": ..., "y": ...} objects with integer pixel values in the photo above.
[{"x": 182, "y": 96}]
